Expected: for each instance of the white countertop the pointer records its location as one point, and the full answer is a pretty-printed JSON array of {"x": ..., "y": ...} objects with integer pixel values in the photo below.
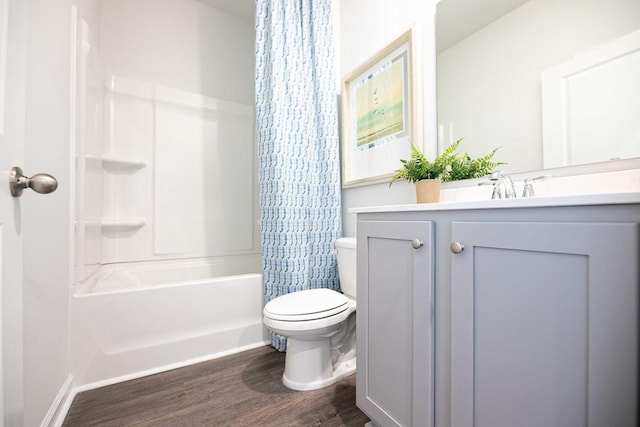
[{"x": 530, "y": 202}]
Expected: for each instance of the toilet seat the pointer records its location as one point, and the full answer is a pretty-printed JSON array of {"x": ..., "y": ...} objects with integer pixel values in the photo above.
[{"x": 311, "y": 304}]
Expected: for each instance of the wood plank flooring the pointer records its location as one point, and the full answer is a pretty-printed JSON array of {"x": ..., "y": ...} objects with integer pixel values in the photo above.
[{"x": 243, "y": 389}]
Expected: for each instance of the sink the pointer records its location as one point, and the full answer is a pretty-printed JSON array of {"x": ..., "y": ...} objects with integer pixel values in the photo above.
[
  {"x": 618, "y": 187},
  {"x": 602, "y": 183}
]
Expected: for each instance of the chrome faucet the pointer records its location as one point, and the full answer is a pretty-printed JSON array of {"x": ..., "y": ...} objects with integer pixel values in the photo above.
[
  {"x": 528, "y": 185},
  {"x": 503, "y": 187},
  {"x": 528, "y": 188}
]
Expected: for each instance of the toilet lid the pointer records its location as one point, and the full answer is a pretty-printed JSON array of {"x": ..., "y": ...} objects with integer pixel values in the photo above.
[{"x": 306, "y": 305}]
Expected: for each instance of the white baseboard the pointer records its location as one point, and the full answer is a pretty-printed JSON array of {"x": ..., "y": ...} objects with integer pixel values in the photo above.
[
  {"x": 62, "y": 403},
  {"x": 60, "y": 406},
  {"x": 140, "y": 374}
]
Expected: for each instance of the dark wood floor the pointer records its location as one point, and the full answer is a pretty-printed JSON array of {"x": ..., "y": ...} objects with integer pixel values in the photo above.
[{"x": 243, "y": 389}]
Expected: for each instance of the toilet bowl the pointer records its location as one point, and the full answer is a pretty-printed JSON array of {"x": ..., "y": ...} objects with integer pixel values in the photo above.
[{"x": 320, "y": 327}]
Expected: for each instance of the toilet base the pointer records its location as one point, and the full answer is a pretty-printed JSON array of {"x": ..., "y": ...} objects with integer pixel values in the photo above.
[{"x": 308, "y": 365}]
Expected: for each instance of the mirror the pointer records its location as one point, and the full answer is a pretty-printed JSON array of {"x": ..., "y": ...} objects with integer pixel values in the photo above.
[{"x": 491, "y": 55}]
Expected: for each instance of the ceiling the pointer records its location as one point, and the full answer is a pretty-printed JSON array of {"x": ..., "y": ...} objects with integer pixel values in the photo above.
[
  {"x": 240, "y": 8},
  {"x": 455, "y": 19},
  {"x": 458, "y": 19}
]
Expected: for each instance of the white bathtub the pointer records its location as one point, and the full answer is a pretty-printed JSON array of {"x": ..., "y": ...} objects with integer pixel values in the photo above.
[{"x": 132, "y": 321}]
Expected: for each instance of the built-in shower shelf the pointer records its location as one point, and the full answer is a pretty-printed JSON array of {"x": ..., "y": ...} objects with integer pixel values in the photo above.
[
  {"x": 123, "y": 224},
  {"x": 117, "y": 224},
  {"x": 113, "y": 163}
]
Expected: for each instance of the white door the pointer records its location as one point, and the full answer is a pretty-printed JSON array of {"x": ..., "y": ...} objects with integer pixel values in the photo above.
[
  {"x": 34, "y": 291},
  {"x": 13, "y": 42}
]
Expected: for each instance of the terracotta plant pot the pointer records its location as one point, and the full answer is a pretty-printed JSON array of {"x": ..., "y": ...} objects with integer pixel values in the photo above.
[{"x": 428, "y": 191}]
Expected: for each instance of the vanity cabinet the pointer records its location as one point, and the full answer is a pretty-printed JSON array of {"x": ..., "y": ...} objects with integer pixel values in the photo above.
[
  {"x": 395, "y": 298},
  {"x": 531, "y": 320},
  {"x": 544, "y": 324}
]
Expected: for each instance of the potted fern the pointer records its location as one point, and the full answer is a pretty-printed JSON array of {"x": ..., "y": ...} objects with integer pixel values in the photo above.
[
  {"x": 448, "y": 166},
  {"x": 425, "y": 174},
  {"x": 465, "y": 167}
]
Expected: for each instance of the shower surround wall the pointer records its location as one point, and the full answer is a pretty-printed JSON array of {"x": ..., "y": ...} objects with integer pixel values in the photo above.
[
  {"x": 177, "y": 175},
  {"x": 165, "y": 161},
  {"x": 171, "y": 147}
]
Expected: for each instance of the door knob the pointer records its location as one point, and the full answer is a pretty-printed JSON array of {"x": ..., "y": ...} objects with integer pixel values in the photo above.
[
  {"x": 456, "y": 248},
  {"x": 42, "y": 183},
  {"x": 416, "y": 243}
]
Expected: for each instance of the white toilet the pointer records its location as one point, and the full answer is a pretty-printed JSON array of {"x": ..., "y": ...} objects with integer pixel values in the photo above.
[{"x": 320, "y": 326}]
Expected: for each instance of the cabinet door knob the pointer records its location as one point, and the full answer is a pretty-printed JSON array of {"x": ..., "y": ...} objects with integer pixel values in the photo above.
[
  {"x": 416, "y": 243},
  {"x": 456, "y": 247}
]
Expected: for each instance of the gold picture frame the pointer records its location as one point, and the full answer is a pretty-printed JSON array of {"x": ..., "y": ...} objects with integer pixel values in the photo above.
[{"x": 379, "y": 104}]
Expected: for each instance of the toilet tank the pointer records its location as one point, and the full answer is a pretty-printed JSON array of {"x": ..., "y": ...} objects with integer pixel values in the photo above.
[{"x": 347, "y": 265}]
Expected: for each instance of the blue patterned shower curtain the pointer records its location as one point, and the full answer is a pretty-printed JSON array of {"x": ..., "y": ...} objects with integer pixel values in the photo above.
[{"x": 298, "y": 148}]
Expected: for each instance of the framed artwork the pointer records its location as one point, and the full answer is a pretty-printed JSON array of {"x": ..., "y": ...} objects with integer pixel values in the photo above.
[{"x": 378, "y": 114}]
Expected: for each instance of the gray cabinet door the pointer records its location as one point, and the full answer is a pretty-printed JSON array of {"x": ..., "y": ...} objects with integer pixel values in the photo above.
[
  {"x": 544, "y": 324},
  {"x": 394, "y": 321}
]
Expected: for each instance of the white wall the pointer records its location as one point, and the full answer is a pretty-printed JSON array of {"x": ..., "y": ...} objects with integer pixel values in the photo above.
[
  {"x": 182, "y": 44},
  {"x": 365, "y": 27},
  {"x": 489, "y": 83}
]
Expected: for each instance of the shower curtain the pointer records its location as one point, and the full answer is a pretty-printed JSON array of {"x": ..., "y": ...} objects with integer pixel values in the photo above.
[{"x": 298, "y": 148}]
